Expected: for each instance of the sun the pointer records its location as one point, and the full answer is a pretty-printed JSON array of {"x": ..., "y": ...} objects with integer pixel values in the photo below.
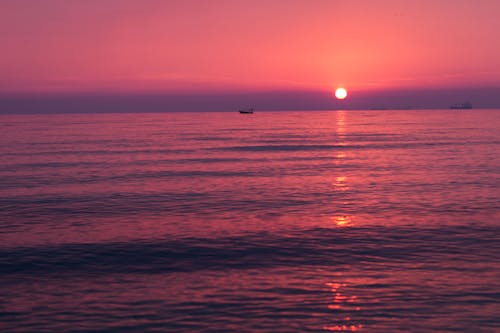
[{"x": 340, "y": 93}]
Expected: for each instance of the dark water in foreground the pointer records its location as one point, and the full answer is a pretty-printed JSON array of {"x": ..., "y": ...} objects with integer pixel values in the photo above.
[{"x": 372, "y": 221}]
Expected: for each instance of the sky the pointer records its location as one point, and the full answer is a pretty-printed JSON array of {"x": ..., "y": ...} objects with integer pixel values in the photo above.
[{"x": 374, "y": 48}]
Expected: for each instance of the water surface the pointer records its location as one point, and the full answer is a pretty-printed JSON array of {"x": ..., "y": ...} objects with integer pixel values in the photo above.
[{"x": 376, "y": 221}]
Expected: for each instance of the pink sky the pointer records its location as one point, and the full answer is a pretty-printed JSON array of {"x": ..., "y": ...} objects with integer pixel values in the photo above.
[{"x": 172, "y": 46}]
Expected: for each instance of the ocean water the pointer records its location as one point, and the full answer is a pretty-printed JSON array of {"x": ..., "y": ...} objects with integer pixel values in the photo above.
[{"x": 371, "y": 221}]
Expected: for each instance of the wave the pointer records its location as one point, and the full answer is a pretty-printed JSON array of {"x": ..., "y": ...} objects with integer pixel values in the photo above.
[
  {"x": 319, "y": 246},
  {"x": 346, "y": 146}
]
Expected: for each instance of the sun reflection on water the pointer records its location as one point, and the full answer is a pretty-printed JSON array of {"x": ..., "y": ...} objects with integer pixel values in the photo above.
[
  {"x": 343, "y": 303},
  {"x": 342, "y": 220},
  {"x": 340, "y": 155},
  {"x": 340, "y": 183},
  {"x": 340, "y": 118}
]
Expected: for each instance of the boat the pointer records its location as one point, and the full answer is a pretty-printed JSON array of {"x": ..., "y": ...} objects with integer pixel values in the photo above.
[
  {"x": 247, "y": 111},
  {"x": 462, "y": 106}
]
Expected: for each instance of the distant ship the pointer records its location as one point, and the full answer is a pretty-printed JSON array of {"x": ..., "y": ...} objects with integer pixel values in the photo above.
[
  {"x": 461, "y": 106},
  {"x": 247, "y": 111}
]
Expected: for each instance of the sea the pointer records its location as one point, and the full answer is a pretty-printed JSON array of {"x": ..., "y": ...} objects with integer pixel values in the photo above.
[{"x": 310, "y": 221}]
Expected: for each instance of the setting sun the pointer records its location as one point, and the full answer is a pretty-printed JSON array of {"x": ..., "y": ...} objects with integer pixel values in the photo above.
[{"x": 340, "y": 93}]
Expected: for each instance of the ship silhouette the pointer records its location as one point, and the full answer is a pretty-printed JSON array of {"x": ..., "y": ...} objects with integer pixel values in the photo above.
[{"x": 465, "y": 105}]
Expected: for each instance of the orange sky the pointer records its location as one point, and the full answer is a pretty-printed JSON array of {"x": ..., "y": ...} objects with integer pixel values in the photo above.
[{"x": 171, "y": 46}]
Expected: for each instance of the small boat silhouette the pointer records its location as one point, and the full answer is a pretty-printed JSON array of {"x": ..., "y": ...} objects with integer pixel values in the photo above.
[{"x": 247, "y": 111}]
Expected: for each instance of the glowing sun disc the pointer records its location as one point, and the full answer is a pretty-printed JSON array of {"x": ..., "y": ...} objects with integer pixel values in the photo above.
[{"x": 340, "y": 93}]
